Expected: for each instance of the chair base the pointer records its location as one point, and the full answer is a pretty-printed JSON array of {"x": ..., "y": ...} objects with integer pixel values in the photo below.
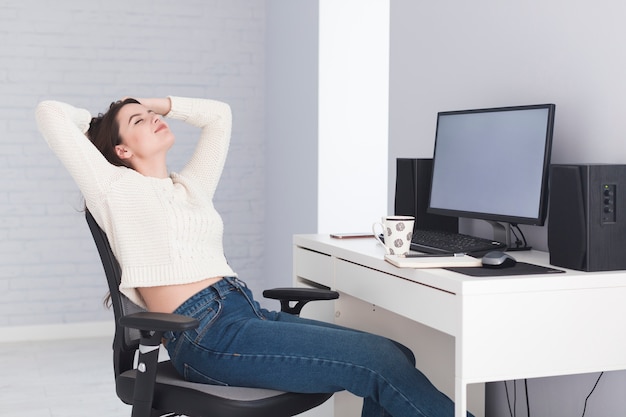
[{"x": 203, "y": 400}]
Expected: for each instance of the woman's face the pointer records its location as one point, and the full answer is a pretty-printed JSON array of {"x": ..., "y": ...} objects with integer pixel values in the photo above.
[{"x": 144, "y": 133}]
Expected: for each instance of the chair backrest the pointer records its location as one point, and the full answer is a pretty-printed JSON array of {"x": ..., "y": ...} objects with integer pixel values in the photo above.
[{"x": 126, "y": 341}]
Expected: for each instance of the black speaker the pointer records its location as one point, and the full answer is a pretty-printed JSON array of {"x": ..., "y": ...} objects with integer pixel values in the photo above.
[
  {"x": 587, "y": 217},
  {"x": 413, "y": 178}
]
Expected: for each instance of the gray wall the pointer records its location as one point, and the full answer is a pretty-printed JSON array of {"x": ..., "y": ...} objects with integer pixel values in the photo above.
[
  {"x": 292, "y": 130},
  {"x": 452, "y": 55},
  {"x": 89, "y": 54}
]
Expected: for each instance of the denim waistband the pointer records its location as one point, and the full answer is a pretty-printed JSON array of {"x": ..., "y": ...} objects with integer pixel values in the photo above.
[{"x": 220, "y": 289}]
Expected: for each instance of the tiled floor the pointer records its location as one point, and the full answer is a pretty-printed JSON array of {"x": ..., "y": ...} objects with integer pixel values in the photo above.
[{"x": 66, "y": 378}]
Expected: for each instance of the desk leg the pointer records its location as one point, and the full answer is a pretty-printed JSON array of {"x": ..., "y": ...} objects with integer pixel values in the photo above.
[{"x": 460, "y": 398}]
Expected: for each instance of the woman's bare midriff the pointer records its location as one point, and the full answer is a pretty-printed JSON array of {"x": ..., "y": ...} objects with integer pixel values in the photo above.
[{"x": 167, "y": 298}]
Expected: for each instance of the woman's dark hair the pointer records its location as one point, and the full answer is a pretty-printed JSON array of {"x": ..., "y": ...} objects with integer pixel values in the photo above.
[{"x": 104, "y": 132}]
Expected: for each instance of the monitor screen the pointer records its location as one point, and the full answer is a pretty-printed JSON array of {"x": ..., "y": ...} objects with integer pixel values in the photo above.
[{"x": 492, "y": 164}]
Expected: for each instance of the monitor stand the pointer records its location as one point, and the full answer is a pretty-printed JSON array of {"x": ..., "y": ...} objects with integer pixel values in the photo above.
[{"x": 502, "y": 233}]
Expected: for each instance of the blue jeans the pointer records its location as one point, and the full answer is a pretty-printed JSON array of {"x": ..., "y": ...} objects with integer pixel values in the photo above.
[{"x": 240, "y": 344}]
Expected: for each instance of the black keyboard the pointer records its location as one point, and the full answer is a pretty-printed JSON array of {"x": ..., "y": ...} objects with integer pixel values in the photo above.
[{"x": 435, "y": 241}]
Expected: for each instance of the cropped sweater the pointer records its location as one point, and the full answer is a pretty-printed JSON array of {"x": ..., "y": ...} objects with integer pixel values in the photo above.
[{"x": 162, "y": 231}]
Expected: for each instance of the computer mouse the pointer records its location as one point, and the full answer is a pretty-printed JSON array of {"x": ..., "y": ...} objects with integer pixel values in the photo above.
[{"x": 498, "y": 259}]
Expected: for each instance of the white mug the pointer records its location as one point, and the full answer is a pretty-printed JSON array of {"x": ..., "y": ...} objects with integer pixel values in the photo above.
[{"x": 397, "y": 233}]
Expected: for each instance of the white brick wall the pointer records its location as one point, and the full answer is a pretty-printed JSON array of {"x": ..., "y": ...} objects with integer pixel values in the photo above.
[{"x": 89, "y": 54}]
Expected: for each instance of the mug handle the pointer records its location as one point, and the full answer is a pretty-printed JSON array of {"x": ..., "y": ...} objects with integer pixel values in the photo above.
[{"x": 378, "y": 238}]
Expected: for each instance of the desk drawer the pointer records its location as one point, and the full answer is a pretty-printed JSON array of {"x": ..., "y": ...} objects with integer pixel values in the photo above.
[
  {"x": 431, "y": 306},
  {"x": 313, "y": 266}
]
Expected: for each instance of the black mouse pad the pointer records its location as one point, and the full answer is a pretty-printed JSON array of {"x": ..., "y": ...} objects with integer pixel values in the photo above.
[{"x": 520, "y": 268}]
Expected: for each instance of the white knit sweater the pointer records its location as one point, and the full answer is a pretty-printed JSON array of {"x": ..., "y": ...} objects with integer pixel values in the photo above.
[{"x": 162, "y": 231}]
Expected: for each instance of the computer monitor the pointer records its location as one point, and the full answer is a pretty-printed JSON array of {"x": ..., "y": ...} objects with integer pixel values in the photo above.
[{"x": 493, "y": 164}]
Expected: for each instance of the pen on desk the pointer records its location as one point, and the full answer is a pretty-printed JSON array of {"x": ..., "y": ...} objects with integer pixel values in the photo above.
[{"x": 431, "y": 255}]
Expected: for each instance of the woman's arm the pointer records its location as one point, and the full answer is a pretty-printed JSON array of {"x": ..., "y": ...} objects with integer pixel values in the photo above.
[
  {"x": 63, "y": 127},
  {"x": 215, "y": 120},
  {"x": 160, "y": 106}
]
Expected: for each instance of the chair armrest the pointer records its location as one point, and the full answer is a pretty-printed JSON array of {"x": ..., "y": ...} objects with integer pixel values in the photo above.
[
  {"x": 151, "y": 326},
  {"x": 158, "y": 322},
  {"x": 299, "y": 295}
]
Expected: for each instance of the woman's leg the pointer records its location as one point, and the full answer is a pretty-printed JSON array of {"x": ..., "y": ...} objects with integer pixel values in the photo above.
[
  {"x": 370, "y": 407},
  {"x": 240, "y": 344}
]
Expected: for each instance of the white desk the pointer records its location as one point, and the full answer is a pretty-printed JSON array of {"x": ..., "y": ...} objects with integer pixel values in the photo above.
[{"x": 498, "y": 328}]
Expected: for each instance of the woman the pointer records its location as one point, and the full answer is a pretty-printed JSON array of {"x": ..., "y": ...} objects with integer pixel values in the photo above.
[{"x": 167, "y": 237}]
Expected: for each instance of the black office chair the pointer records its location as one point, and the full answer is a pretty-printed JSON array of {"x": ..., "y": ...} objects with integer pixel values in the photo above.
[{"x": 155, "y": 388}]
